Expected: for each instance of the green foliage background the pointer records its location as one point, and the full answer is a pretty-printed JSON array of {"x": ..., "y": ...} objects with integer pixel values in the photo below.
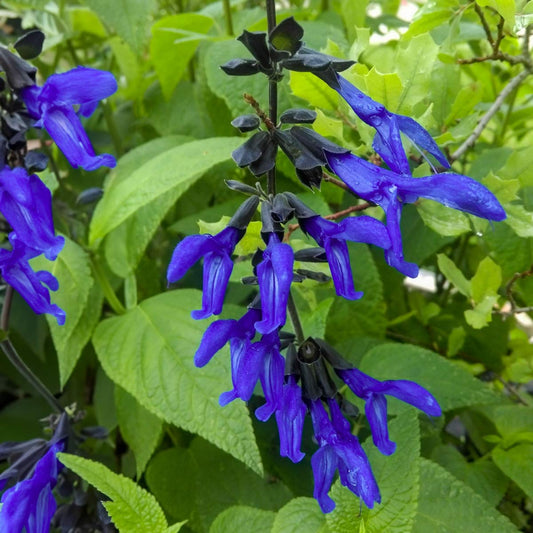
[{"x": 125, "y": 352}]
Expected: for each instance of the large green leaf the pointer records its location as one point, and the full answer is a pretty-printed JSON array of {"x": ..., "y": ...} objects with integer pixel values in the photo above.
[
  {"x": 131, "y": 508},
  {"x": 300, "y": 514},
  {"x": 242, "y": 518},
  {"x": 79, "y": 298},
  {"x": 149, "y": 353},
  {"x": 453, "y": 386},
  {"x": 398, "y": 480},
  {"x": 447, "y": 505},
  {"x": 174, "y": 41},
  {"x": 169, "y": 173},
  {"x": 125, "y": 245},
  {"x": 516, "y": 463},
  {"x": 199, "y": 482},
  {"x": 129, "y": 18},
  {"x": 139, "y": 427}
]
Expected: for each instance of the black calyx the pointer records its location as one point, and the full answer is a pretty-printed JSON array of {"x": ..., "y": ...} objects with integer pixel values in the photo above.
[
  {"x": 316, "y": 380},
  {"x": 311, "y": 255},
  {"x": 297, "y": 116},
  {"x": 30, "y": 45},
  {"x": 238, "y": 186},
  {"x": 241, "y": 67},
  {"x": 256, "y": 44},
  {"x": 90, "y": 196},
  {"x": 285, "y": 39},
  {"x": 246, "y": 123},
  {"x": 19, "y": 74},
  {"x": 258, "y": 153},
  {"x": 311, "y": 274},
  {"x": 35, "y": 161},
  {"x": 282, "y": 211},
  {"x": 244, "y": 213}
]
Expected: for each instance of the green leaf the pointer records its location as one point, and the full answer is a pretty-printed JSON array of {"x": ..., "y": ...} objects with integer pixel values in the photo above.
[
  {"x": 516, "y": 463},
  {"x": 480, "y": 475},
  {"x": 200, "y": 481},
  {"x": 481, "y": 315},
  {"x": 442, "y": 219},
  {"x": 414, "y": 63},
  {"x": 486, "y": 280},
  {"x": 313, "y": 90},
  {"x": 139, "y": 427},
  {"x": 169, "y": 173},
  {"x": 454, "y": 275},
  {"x": 131, "y": 508},
  {"x": 174, "y": 42},
  {"x": 506, "y": 8},
  {"x": 427, "y": 22},
  {"x": 149, "y": 352},
  {"x": 398, "y": 480},
  {"x": 129, "y": 18},
  {"x": 520, "y": 219},
  {"x": 125, "y": 245},
  {"x": 365, "y": 317},
  {"x": 300, "y": 514},
  {"x": 242, "y": 518},
  {"x": 452, "y": 386},
  {"x": 79, "y": 298},
  {"x": 447, "y": 505},
  {"x": 504, "y": 189}
]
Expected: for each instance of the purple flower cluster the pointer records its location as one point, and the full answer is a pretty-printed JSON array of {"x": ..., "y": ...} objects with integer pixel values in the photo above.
[
  {"x": 304, "y": 380},
  {"x": 26, "y": 202}
]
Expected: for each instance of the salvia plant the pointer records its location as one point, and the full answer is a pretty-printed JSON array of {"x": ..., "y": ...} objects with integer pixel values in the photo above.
[{"x": 287, "y": 350}]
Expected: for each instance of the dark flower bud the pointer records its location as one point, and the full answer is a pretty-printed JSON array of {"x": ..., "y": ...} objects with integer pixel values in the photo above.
[
  {"x": 252, "y": 149},
  {"x": 249, "y": 280},
  {"x": 298, "y": 116},
  {"x": 240, "y": 67},
  {"x": 311, "y": 177},
  {"x": 286, "y": 37},
  {"x": 307, "y": 63},
  {"x": 35, "y": 161},
  {"x": 257, "y": 46},
  {"x": 246, "y": 122},
  {"x": 90, "y": 196},
  {"x": 315, "y": 276},
  {"x": 269, "y": 225},
  {"x": 19, "y": 74},
  {"x": 311, "y": 255},
  {"x": 333, "y": 357},
  {"x": 30, "y": 45},
  {"x": 292, "y": 367},
  {"x": 348, "y": 409},
  {"x": 301, "y": 210},
  {"x": 241, "y": 187},
  {"x": 282, "y": 211},
  {"x": 298, "y": 153},
  {"x": 244, "y": 213},
  {"x": 316, "y": 381},
  {"x": 95, "y": 432},
  {"x": 266, "y": 161}
]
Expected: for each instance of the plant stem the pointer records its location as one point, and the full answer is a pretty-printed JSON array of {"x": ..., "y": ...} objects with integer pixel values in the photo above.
[
  {"x": 6, "y": 308},
  {"x": 113, "y": 130},
  {"x": 227, "y": 16},
  {"x": 272, "y": 94},
  {"x": 24, "y": 370},
  {"x": 295, "y": 319},
  {"x": 109, "y": 293}
]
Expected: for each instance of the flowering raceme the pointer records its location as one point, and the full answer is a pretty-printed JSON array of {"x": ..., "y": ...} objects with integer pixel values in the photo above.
[{"x": 299, "y": 375}]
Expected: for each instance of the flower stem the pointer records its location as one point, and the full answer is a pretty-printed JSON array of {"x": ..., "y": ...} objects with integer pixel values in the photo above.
[
  {"x": 29, "y": 376},
  {"x": 6, "y": 308},
  {"x": 272, "y": 94},
  {"x": 113, "y": 130},
  {"x": 227, "y": 16},
  {"x": 295, "y": 319},
  {"x": 109, "y": 293}
]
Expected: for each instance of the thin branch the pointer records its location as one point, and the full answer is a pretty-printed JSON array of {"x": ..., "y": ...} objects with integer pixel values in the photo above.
[
  {"x": 484, "y": 23},
  {"x": 335, "y": 181},
  {"x": 509, "y": 292},
  {"x": 6, "y": 308},
  {"x": 494, "y": 108}
]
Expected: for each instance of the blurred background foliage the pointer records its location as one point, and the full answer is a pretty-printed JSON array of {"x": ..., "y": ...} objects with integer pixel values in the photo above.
[{"x": 463, "y": 329}]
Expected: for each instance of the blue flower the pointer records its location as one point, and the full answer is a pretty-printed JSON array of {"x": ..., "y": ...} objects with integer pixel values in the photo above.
[
  {"x": 332, "y": 237},
  {"x": 30, "y": 503},
  {"x": 26, "y": 204},
  {"x": 274, "y": 275},
  {"x": 374, "y": 391},
  {"x": 271, "y": 374},
  {"x": 390, "y": 190},
  {"x": 290, "y": 417},
  {"x": 387, "y": 142},
  {"x": 52, "y": 106},
  {"x": 32, "y": 286},
  {"x": 216, "y": 251},
  {"x": 341, "y": 450},
  {"x": 221, "y": 332}
]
